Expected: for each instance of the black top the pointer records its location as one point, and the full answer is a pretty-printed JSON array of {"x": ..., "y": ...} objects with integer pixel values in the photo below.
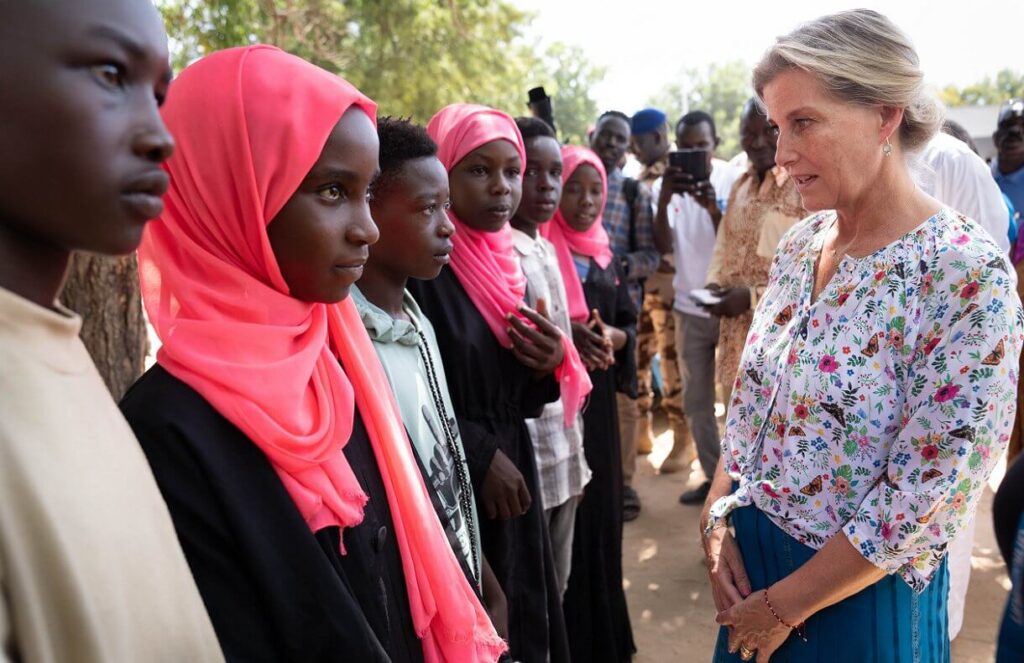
[
  {"x": 596, "y": 613},
  {"x": 274, "y": 590},
  {"x": 492, "y": 394},
  {"x": 1007, "y": 508}
]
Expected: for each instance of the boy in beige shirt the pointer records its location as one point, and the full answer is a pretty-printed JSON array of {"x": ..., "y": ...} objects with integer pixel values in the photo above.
[{"x": 90, "y": 567}]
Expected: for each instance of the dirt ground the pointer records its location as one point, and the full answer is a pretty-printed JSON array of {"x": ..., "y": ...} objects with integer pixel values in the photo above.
[{"x": 669, "y": 600}]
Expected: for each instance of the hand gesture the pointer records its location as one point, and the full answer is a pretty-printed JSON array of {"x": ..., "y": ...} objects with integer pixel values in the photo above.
[
  {"x": 503, "y": 493},
  {"x": 538, "y": 347}
]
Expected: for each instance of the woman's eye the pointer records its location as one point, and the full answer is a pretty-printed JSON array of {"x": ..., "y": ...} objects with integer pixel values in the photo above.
[
  {"x": 332, "y": 193},
  {"x": 447, "y": 205},
  {"x": 557, "y": 172},
  {"x": 513, "y": 172},
  {"x": 478, "y": 170},
  {"x": 110, "y": 74},
  {"x": 530, "y": 172},
  {"x": 429, "y": 210}
]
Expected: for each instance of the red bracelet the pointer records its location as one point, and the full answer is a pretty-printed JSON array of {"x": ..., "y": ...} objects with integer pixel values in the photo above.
[{"x": 800, "y": 628}]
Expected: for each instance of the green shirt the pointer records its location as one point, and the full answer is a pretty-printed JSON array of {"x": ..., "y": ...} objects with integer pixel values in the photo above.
[{"x": 399, "y": 345}]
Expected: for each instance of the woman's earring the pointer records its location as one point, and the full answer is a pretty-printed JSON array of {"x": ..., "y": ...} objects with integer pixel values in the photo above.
[{"x": 887, "y": 148}]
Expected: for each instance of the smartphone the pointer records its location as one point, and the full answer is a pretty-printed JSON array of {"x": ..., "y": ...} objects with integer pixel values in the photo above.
[{"x": 691, "y": 162}]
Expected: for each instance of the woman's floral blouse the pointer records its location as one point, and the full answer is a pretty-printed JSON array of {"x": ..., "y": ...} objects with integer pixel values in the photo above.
[{"x": 881, "y": 408}]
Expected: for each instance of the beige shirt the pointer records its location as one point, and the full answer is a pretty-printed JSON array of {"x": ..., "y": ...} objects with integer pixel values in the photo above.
[
  {"x": 758, "y": 214},
  {"x": 90, "y": 566}
]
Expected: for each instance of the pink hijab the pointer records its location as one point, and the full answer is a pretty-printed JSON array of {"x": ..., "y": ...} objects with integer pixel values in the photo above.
[
  {"x": 593, "y": 243},
  {"x": 249, "y": 123},
  {"x": 485, "y": 263}
]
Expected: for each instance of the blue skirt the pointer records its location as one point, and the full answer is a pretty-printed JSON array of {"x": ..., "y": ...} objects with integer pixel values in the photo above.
[{"x": 886, "y": 622}]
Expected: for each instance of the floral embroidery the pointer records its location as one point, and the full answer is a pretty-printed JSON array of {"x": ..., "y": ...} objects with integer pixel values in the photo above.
[{"x": 880, "y": 409}]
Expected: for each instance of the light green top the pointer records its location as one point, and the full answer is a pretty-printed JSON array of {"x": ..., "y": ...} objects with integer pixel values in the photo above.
[{"x": 398, "y": 345}]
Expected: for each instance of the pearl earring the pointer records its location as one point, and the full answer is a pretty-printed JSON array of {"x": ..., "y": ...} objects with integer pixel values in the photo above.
[{"x": 887, "y": 148}]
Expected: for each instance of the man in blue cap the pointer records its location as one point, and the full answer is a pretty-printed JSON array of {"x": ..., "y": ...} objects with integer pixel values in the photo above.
[
  {"x": 650, "y": 143},
  {"x": 656, "y": 326}
]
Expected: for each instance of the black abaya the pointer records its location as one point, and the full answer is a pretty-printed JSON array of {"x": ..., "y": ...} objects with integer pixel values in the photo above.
[
  {"x": 274, "y": 590},
  {"x": 596, "y": 615}
]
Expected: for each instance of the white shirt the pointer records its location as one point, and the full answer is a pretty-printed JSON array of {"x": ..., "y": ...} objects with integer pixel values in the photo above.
[
  {"x": 693, "y": 235},
  {"x": 958, "y": 178},
  {"x": 561, "y": 464}
]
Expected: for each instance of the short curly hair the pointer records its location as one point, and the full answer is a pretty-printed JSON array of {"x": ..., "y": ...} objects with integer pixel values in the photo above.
[{"x": 401, "y": 140}]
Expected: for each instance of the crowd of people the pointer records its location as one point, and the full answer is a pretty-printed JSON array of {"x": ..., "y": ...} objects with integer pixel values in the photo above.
[{"x": 406, "y": 371}]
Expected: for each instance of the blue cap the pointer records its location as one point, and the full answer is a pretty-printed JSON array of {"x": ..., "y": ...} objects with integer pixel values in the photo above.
[{"x": 648, "y": 120}]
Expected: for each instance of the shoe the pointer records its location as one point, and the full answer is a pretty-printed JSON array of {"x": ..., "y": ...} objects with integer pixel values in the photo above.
[
  {"x": 644, "y": 438},
  {"x": 677, "y": 463},
  {"x": 696, "y": 496},
  {"x": 630, "y": 504}
]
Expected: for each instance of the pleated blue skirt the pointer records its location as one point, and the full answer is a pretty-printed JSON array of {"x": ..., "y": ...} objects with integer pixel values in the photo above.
[{"x": 885, "y": 623}]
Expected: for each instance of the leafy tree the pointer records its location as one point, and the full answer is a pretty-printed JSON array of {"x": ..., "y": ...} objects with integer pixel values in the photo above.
[
  {"x": 720, "y": 90},
  {"x": 988, "y": 91},
  {"x": 569, "y": 77},
  {"x": 411, "y": 56}
]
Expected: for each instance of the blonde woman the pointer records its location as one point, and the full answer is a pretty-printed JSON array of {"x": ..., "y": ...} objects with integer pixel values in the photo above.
[{"x": 877, "y": 387}]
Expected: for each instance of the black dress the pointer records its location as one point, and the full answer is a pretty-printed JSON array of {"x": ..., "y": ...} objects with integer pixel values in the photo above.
[
  {"x": 274, "y": 590},
  {"x": 596, "y": 615},
  {"x": 493, "y": 394}
]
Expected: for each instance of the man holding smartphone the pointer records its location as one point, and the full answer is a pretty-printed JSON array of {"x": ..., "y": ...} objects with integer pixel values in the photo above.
[{"x": 691, "y": 199}]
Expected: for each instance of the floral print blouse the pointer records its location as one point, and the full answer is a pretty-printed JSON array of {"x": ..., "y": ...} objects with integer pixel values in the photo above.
[{"x": 880, "y": 408}]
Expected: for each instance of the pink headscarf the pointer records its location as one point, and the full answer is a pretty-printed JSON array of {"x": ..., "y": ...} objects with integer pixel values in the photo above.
[
  {"x": 593, "y": 243},
  {"x": 485, "y": 263},
  {"x": 249, "y": 124}
]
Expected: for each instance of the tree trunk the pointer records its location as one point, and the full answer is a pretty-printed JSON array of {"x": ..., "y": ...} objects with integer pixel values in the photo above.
[{"x": 105, "y": 292}]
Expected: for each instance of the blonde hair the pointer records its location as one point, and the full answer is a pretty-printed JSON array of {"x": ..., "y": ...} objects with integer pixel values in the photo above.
[{"x": 863, "y": 58}]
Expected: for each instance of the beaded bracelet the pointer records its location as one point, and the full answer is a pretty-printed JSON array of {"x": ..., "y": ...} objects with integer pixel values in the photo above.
[{"x": 800, "y": 628}]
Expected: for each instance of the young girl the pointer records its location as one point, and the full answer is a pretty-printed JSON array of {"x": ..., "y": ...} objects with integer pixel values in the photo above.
[
  {"x": 597, "y": 618},
  {"x": 90, "y": 568},
  {"x": 305, "y": 519},
  {"x": 498, "y": 366},
  {"x": 562, "y": 470}
]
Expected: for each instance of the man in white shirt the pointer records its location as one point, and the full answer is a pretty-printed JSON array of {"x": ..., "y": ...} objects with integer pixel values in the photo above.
[
  {"x": 952, "y": 173},
  {"x": 958, "y": 178},
  {"x": 687, "y": 215}
]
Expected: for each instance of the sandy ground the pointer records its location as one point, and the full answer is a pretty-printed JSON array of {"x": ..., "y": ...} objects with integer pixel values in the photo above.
[{"x": 667, "y": 588}]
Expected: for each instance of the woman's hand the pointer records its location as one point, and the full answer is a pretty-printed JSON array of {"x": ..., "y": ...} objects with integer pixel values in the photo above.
[
  {"x": 729, "y": 583},
  {"x": 590, "y": 345},
  {"x": 538, "y": 348},
  {"x": 503, "y": 493},
  {"x": 753, "y": 627},
  {"x": 495, "y": 601}
]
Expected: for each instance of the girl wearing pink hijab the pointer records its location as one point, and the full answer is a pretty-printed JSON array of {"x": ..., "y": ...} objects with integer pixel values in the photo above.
[
  {"x": 268, "y": 420},
  {"x": 604, "y": 323},
  {"x": 499, "y": 357}
]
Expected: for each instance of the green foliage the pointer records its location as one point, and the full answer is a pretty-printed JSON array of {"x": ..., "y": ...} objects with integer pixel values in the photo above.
[
  {"x": 720, "y": 89},
  {"x": 569, "y": 78},
  {"x": 411, "y": 56},
  {"x": 988, "y": 91}
]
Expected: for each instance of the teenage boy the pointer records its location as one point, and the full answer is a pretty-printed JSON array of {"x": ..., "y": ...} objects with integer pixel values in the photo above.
[
  {"x": 90, "y": 567},
  {"x": 409, "y": 206}
]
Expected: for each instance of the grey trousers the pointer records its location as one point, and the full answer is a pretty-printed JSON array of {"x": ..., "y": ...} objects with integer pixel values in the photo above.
[
  {"x": 696, "y": 340},
  {"x": 561, "y": 522}
]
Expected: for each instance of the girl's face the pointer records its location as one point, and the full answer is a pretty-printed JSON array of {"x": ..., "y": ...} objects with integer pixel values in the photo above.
[
  {"x": 321, "y": 236},
  {"x": 415, "y": 231},
  {"x": 542, "y": 182},
  {"x": 486, "y": 187},
  {"x": 581, "y": 198}
]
